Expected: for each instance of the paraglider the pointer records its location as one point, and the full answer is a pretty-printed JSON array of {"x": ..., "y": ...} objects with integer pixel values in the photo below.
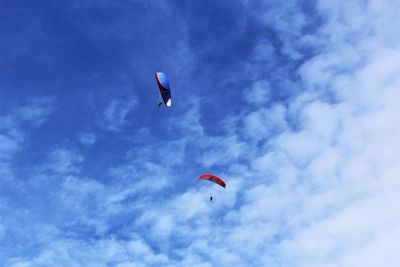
[
  {"x": 165, "y": 91},
  {"x": 212, "y": 178}
]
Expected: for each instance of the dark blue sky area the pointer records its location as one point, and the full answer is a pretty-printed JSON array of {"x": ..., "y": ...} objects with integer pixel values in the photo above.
[{"x": 83, "y": 54}]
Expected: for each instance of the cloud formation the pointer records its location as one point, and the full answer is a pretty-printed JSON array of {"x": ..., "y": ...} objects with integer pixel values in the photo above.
[{"x": 312, "y": 174}]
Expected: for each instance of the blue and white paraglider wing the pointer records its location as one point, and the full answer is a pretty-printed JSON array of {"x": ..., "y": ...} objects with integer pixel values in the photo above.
[{"x": 163, "y": 85}]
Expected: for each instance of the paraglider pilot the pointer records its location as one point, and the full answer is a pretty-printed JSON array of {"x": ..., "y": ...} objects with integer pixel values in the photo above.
[{"x": 214, "y": 179}]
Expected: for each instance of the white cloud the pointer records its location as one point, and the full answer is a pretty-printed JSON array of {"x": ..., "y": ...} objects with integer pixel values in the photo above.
[
  {"x": 64, "y": 161},
  {"x": 340, "y": 203},
  {"x": 116, "y": 112},
  {"x": 87, "y": 138},
  {"x": 9, "y": 144},
  {"x": 283, "y": 17},
  {"x": 258, "y": 93},
  {"x": 263, "y": 52},
  {"x": 265, "y": 122},
  {"x": 13, "y": 127},
  {"x": 36, "y": 111},
  {"x": 104, "y": 252}
]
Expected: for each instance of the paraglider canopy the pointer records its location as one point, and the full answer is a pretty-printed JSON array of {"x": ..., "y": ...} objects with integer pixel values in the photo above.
[
  {"x": 212, "y": 178},
  {"x": 163, "y": 85}
]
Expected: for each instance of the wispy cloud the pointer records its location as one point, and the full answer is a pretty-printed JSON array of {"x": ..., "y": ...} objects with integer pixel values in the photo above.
[
  {"x": 64, "y": 161},
  {"x": 87, "y": 138},
  {"x": 116, "y": 112},
  {"x": 36, "y": 111}
]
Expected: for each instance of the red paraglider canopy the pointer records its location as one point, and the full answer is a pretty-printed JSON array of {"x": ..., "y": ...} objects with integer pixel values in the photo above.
[{"x": 212, "y": 178}]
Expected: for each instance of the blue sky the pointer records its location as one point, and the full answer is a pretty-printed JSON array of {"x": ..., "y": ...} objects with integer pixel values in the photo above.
[{"x": 292, "y": 103}]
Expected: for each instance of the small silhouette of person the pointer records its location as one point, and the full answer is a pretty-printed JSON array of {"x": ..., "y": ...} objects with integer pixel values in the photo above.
[{"x": 211, "y": 198}]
